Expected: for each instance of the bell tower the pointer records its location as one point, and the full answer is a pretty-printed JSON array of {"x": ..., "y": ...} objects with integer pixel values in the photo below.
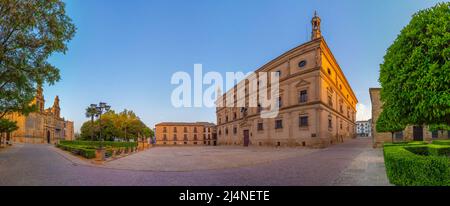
[
  {"x": 316, "y": 33},
  {"x": 39, "y": 99},
  {"x": 55, "y": 108}
]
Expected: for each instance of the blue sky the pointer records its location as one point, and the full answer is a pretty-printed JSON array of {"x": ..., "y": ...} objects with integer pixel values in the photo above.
[{"x": 125, "y": 52}]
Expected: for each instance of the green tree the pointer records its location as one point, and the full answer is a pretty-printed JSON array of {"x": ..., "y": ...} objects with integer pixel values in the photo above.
[
  {"x": 415, "y": 74},
  {"x": 7, "y": 126},
  {"x": 389, "y": 121},
  {"x": 125, "y": 125},
  {"x": 91, "y": 113},
  {"x": 30, "y": 31}
]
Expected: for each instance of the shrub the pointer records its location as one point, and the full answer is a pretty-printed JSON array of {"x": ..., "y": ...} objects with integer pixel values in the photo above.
[
  {"x": 441, "y": 142},
  {"x": 418, "y": 150},
  {"x": 77, "y": 150},
  {"x": 439, "y": 150},
  {"x": 405, "y": 168},
  {"x": 412, "y": 143},
  {"x": 98, "y": 143}
]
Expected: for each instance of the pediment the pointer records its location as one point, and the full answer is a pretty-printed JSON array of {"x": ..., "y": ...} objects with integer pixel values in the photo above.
[{"x": 302, "y": 83}]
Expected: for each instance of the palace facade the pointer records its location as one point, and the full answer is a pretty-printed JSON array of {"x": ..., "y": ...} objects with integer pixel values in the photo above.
[
  {"x": 317, "y": 106},
  {"x": 410, "y": 133},
  {"x": 185, "y": 133},
  {"x": 42, "y": 126}
]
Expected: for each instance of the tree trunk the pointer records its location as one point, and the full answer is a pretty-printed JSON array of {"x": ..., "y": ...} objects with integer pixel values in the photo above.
[{"x": 92, "y": 128}]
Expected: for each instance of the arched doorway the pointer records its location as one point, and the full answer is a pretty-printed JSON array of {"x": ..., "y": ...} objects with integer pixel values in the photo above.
[{"x": 48, "y": 137}]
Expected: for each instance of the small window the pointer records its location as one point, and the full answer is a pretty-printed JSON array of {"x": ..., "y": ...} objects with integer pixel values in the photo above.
[
  {"x": 303, "y": 121},
  {"x": 329, "y": 71},
  {"x": 302, "y": 64},
  {"x": 330, "y": 123},
  {"x": 234, "y": 130},
  {"x": 278, "y": 124},
  {"x": 434, "y": 134},
  {"x": 260, "y": 126},
  {"x": 399, "y": 135},
  {"x": 278, "y": 73},
  {"x": 303, "y": 96}
]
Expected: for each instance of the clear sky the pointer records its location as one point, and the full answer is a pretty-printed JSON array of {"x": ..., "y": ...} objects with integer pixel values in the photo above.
[{"x": 125, "y": 52}]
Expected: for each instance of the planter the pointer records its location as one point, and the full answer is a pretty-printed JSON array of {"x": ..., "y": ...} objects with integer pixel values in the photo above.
[{"x": 100, "y": 154}]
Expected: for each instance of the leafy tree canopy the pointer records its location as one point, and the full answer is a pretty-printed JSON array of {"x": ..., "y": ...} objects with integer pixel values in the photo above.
[
  {"x": 30, "y": 31},
  {"x": 125, "y": 125},
  {"x": 388, "y": 121},
  {"x": 415, "y": 74},
  {"x": 7, "y": 126}
]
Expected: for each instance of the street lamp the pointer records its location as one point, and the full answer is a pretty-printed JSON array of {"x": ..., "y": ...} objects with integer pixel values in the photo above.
[{"x": 101, "y": 108}]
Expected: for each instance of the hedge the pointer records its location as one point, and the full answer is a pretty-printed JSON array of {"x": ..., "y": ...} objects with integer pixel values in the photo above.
[
  {"x": 389, "y": 144},
  {"x": 404, "y": 168},
  {"x": 441, "y": 142},
  {"x": 439, "y": 150},
  {"x": 98, "y": 143},
  {"x": 88, "y": 153}
]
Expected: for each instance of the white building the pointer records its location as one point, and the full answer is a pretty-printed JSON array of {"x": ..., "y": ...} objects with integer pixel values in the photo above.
[{"x": 363, "y": 128}]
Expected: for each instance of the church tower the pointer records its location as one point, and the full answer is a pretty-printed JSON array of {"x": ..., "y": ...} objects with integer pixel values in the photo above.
[
  {"x": 39, "y": 99},
  {"x": 55, "y": 108},
  {"x": 315, "y": 27}
]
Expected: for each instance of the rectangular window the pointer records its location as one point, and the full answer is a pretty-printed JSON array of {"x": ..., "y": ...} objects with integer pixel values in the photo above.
[
  {"x": 434, "y": 134},
  {"x": 399, "y": 135},
  {"x": 260, "y": 126},
  {"x": 278, "y": 73},
  {"x": 278, "y": 124},
  {"x": 280, "y": 102},
  {"x": 330, "y": 123},
  {"x": 303, "y": 121},
  {"x": 303, "y": 96},
  {"x": 330, "y": 101},
  {"x": 235, "y": 130}
]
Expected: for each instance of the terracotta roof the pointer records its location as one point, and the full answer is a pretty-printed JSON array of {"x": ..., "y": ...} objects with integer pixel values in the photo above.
[{"x": 185, "y": 124}]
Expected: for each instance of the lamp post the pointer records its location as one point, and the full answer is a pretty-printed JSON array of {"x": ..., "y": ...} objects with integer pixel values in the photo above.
[{"x": 101, "y": 108}]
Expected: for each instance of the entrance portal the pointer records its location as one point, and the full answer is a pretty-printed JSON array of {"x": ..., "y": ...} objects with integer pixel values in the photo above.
[
  {"x": 418, "y": 133},
  {"x": 246, "y": 138},
  {"x": 48, "y": 137}
]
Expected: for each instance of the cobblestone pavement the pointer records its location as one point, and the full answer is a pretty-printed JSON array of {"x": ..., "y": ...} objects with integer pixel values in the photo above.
[{"x": 350, "y": 163}]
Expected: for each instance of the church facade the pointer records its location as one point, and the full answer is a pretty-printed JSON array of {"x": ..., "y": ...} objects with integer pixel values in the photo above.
[
  {"x": 317, "y": 106},
  {"x": 45, "y": 126}
]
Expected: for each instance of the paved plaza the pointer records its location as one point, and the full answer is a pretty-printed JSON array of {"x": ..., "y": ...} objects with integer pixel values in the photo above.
[{"x": 351, "y": 163}]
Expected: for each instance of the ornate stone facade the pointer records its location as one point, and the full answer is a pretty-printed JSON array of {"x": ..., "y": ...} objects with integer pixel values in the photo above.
[
  {"x": 417, "y": 132},
  {"x": 317, "y": 105},
  {"x": 42, "y": 126},
  {"x": 185, "y": 133}
]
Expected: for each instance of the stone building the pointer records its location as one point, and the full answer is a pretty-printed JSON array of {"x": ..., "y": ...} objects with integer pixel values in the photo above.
[
  {"x": 42, "y": 126},
  {"x": 317, "y": 106},
  {"x": 185, "y": 133},
  {"x": 411, "y": 132},
  {"x": 364, "y": 128}
]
